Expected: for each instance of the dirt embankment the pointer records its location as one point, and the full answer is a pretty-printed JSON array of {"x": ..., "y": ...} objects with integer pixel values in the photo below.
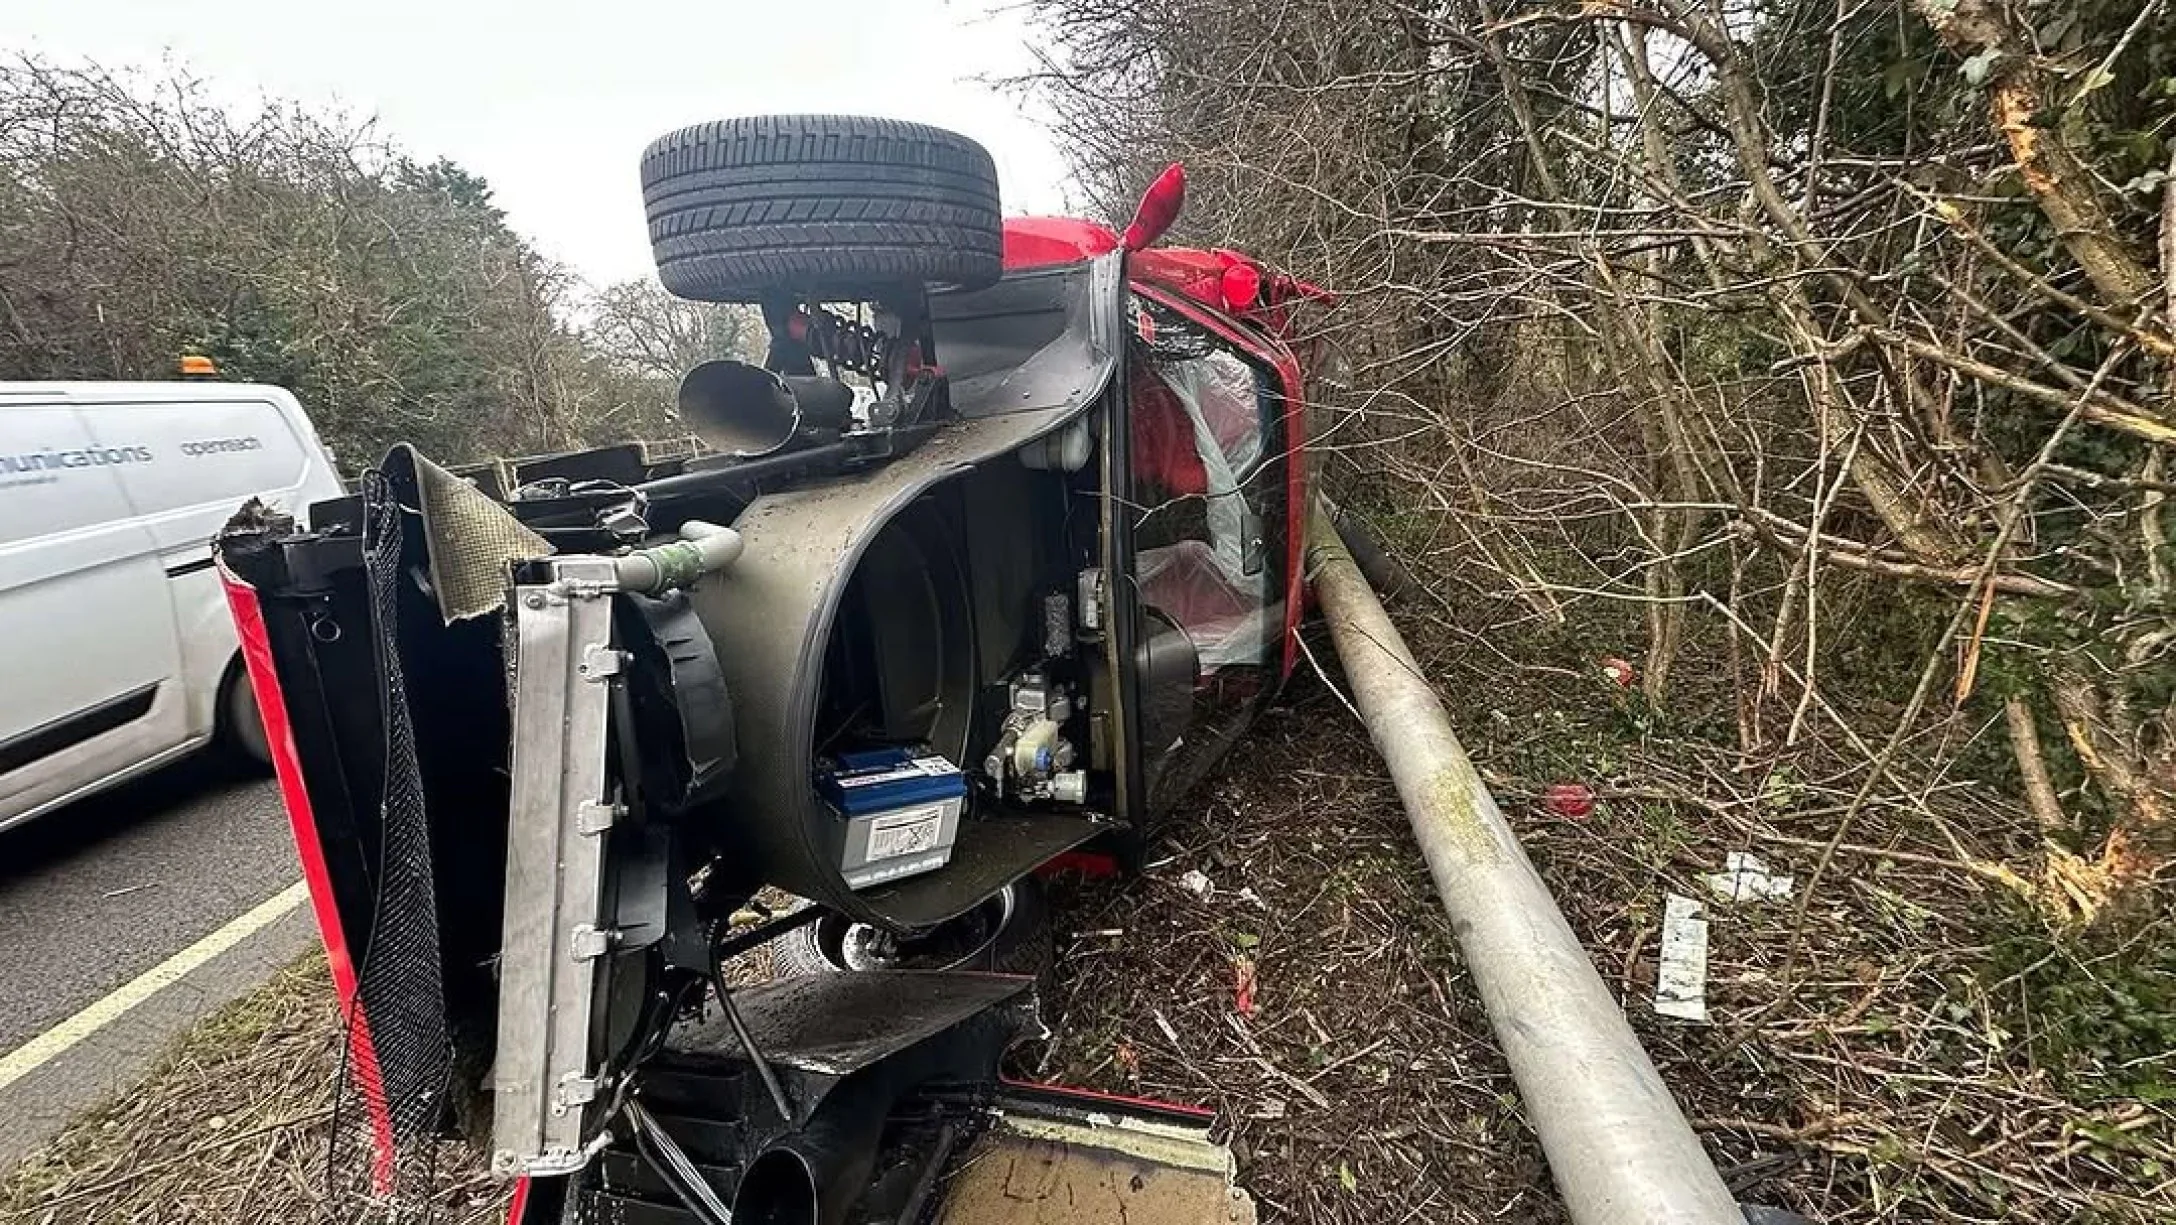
[{"x": 1897, "y": 1045}]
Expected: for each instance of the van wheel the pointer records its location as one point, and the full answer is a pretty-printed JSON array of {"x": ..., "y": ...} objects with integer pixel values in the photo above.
[
  {"x": 240, "y": 735},
  {"x": 1009, "y": 933}
]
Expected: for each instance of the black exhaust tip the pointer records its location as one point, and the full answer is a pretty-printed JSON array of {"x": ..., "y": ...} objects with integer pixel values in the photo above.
[{"x": 778, "y": 1189}]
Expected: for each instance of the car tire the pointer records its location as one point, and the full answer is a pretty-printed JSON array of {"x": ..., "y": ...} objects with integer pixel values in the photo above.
[
  {"x": 820, "y": 208},
  {"x": 239, "y": 731},
  {"x": 1018, "y": 940}
]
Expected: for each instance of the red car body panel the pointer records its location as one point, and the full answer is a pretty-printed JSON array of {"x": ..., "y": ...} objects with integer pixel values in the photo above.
[
  {"x": 1040, "y": 242},
  {"x": 264, "y": 684},
  {"x": 1232, "y": 295}
]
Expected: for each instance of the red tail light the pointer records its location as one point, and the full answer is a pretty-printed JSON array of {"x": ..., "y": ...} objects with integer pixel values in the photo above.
[{"x": 1242, "y": 286}]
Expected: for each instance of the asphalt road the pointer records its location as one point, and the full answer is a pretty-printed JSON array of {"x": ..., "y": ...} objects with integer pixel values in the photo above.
[{"x": 95, "y": 895}]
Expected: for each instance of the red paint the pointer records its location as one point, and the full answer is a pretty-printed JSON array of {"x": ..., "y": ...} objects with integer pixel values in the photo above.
[
  {"x": 1283, "y": 287},
  {"x": 1572, "y": 800},
  {"x": 1096, "y": 1095},
  {"x": 1224, "y": 280},
  {"x": 1159, "y": 207},
  {"x": 1042, "y": 242},
  {"x": 1094, "y": 865},
  {"x": 1190, "y": 271},
  {"x": 264, "y": 683},
  {"x": 917, "y": 366},
  {"x": 1241, "y": 286}
]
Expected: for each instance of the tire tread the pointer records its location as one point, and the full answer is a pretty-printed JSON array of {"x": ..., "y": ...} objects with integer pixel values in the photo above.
[{"x": 819, "y": 206}]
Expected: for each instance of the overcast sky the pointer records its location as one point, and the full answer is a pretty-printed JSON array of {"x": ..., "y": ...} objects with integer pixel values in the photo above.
[{"x": 553, "y": 100}]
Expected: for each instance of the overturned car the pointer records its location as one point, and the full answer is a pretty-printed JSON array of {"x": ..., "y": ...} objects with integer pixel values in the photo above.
[{"x": 991, "y": 558}]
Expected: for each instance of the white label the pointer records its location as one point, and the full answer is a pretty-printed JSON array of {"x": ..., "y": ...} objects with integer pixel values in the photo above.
[
  {"x": 862, "y": 878},
  {"x": 1681, "y": 985},
  {"x": 919, "y": 767},
  {"x": 904, "y": 833}
]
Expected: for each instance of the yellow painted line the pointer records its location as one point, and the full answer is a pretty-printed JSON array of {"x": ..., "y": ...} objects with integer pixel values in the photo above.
[{"x": 44, "y": 1048}]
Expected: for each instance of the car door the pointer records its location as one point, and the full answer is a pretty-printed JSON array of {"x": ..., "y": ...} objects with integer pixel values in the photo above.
[
  {"x": 84, "y": 608},
  {"x": 1211, "y": 417}
]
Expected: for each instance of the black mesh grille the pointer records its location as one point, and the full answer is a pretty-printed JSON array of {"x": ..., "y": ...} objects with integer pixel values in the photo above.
[{"x": 398, "y": 1054}]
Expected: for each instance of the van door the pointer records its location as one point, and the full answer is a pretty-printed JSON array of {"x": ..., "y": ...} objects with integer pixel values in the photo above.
[
  {"x": 210, "y": 453},
  {"x": 91, "y": 644}
]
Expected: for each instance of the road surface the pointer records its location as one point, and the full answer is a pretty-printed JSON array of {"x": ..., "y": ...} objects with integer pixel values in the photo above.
[{"x": 125, "y": 918}]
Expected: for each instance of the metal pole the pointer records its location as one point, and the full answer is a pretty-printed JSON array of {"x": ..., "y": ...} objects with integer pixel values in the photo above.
[{"x": 1618, "y": 1146}]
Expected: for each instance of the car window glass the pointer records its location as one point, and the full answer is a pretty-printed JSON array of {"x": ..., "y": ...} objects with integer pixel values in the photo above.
[{"x": 1198, "y": 410}]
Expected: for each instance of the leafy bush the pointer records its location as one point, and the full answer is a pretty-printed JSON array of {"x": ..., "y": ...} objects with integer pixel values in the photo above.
[{"x": 140, "y": 221}]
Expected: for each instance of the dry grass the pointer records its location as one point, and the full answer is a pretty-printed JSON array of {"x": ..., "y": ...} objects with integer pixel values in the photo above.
[
  {"x": 1363, "y": 1087},
  {"x": 1880, "y": 1057},
  {"x": 233, "y": 1127},
  {"x": 1877, "y": 1074}
]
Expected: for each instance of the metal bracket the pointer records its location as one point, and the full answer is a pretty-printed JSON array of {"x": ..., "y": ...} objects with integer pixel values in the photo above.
[
  {"x": 574, "y": 1091},
  {"x": 600, "y": 662},
  {"x": 596, "y": 816},
  {"x": 588, "y": 942}
]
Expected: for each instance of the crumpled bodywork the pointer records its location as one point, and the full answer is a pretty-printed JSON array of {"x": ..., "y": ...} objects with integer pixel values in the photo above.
[{"x": 985, "y": 556}]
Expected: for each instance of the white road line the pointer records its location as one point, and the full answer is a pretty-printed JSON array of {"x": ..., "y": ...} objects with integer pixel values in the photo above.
[{"x": 41, "y": 1050}]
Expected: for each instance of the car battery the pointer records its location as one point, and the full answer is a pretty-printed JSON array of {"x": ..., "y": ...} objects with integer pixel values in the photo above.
[{"x": 902, "y": 812}]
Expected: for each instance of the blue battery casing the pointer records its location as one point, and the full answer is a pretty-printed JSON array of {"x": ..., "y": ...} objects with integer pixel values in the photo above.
[
  {"x": 900, "y": 811},
  {"x": 880, "y": 780}
]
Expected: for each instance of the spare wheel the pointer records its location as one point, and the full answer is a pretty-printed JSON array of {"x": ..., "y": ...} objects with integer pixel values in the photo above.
[{"x": 820, "y": 208}]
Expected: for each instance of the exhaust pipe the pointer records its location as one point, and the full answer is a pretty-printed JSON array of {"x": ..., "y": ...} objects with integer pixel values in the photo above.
[
  {"x": 747, "y": 411},
  {"x": 1619, "y": 1148},
  {"x": 815, "y": 1175}
]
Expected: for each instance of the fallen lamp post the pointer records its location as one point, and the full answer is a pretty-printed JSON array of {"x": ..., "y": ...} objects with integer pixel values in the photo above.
[{"x": 1619, "y": 1148}]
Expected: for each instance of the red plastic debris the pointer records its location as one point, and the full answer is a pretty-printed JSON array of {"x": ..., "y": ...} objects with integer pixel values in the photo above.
[
  {"x": 1619, "y": 671},
  {"x": 1128, "y": 1059},
  {"x": 1092, "y": 865},
  {"x": 1572, "y": 800},
  {"x": 1243, "y": 985}
]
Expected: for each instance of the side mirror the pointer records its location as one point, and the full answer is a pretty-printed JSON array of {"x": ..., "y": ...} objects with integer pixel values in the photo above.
[{"x": 1159, "y": 207}]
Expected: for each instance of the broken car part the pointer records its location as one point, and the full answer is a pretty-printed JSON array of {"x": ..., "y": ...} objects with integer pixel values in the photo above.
[{"x": 561, "y": 813}]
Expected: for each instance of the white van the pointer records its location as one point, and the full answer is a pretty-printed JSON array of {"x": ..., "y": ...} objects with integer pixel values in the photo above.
[{"x": 120, "y": 651}]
